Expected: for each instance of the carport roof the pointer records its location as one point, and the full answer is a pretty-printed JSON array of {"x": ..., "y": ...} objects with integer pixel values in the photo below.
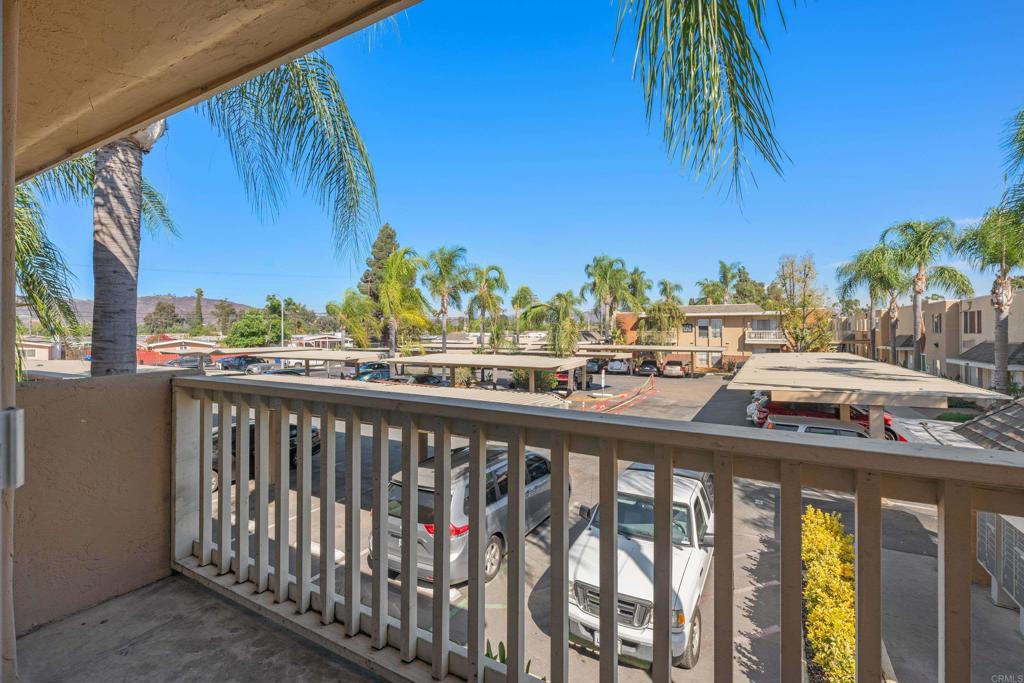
[
  {"x": 666, "y": 348},
  {"x": 515, "y": 361},
  {"x": 333, "y": 355},
  {"x": 847, "y": 378}
]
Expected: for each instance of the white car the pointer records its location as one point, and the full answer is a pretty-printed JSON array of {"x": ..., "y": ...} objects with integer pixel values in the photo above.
[
  {"x": 815, "y": 425},
  {"x": 617, "y": 367},
  {"x": 693, "y": 541}
]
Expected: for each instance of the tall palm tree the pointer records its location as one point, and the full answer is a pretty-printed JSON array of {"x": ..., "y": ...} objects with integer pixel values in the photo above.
[
  {"x": 997, "y": 244},
  {"x": 669, "y": 291},
  {"x": 728, "y": 273},
  {"x": 639, "y": 284},
  {"x": 401, "y": 303},
  {"x": 918, "y": 245},
  {"x": 291, "y": 121},
  {"x": 357, "y": 315},
  {"x": 877, "y": 270},
  {"x": 521, "y": 300},
  {"x": 564, "y": 320},
  {"x": 607, "y": 284},
  {"x": 447, "y": 279},
  {"x": 710, "y": 291},
  {"x": 486, "y": 283}
]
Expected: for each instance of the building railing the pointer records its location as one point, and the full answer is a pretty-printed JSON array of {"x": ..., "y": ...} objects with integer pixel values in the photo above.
[
  {"x": 766, "y": 335},
  {"x": 253, "y": 570}
]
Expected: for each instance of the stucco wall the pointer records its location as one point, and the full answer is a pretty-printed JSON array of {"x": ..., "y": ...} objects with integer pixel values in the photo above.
[{"x": 93, "y": 518}]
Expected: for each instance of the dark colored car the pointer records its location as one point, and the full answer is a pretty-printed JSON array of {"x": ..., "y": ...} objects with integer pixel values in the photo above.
[
  {"x": 828, "y": 411},
  {"x": 594, "y": 365},
  {"x": 293, "y": 431},
  {"x": 286, "y": 371},
  {"x": 431, "y": 380},
  {"x": 185, "y": 362},
  {"x": 374, "y": 375},
  {"x": 372, "y": 365},
  {"x": 648, "y": 367},
  {"x": 239, "y": 363}
]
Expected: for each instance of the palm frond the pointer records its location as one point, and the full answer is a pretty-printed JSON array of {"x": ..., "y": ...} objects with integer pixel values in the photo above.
[
  {"x": 950, "y": 280},
  {"x": 294, "y": 120},
  {"x": 156, "y": 217},
  {"x": 1014, "y": 146},
  {"x": 699, "y": 63},
  {"x": 70, "y": 181}
]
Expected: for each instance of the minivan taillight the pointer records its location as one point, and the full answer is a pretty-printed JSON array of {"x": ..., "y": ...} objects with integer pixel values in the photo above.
[{"x": 453, "y": 531}]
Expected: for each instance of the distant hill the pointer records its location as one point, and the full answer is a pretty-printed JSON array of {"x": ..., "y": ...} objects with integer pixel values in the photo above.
[{"x": 185, "y": 305}]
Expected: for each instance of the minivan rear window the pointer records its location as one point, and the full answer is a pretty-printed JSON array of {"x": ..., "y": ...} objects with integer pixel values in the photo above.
[{"x": 425, "y": 503}]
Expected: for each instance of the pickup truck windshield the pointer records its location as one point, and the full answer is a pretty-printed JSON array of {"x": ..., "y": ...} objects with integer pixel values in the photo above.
[{"x": 636, "y": 519}]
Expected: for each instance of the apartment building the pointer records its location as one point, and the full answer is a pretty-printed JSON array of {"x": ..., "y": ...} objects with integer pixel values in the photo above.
[{"x": 958, "y": 338}]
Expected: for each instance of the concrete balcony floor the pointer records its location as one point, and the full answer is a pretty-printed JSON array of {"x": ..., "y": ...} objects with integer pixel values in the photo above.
[{"x": 174, "y": 631}]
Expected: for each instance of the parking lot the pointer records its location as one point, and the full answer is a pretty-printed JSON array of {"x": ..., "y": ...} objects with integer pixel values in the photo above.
[{"x": 909, "y": 552}]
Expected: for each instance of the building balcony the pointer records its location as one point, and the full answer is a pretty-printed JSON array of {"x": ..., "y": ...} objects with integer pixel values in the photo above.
[
  {"x": 282, "y": 545},
  {"x": 764, "y": 336}
]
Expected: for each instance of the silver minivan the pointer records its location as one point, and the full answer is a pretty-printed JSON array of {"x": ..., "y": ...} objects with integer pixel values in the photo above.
[{"x": 538, "y": 509}]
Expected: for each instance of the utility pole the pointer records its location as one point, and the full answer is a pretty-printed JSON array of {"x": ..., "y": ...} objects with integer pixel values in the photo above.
[{"x": 282, "y": 321}]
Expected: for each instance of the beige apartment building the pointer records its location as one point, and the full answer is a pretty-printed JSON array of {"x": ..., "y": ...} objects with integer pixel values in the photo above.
[{"x": 958, "y": 339}]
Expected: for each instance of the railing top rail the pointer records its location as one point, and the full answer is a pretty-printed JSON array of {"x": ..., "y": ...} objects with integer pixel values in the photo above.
[{"x": 1000, "y": 469}]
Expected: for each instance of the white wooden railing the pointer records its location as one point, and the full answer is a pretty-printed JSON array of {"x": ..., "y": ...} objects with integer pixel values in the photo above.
[{"x": 957, "y": 480}]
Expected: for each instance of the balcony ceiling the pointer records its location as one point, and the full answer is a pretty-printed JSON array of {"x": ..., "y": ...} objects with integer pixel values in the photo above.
[{"x": 93, "y": 70}]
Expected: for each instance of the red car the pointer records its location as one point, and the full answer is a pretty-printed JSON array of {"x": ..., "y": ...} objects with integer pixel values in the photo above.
[{"x": 823, "y": 410}]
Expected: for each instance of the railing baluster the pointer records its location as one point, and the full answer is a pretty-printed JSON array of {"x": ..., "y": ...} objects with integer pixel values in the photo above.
[
  {"x": 281, "y": 503},
  {"x": 791, "y": 571},
  {"x": 664, "y": 597},
  {"x": 516, "y": 633},
  {"x": 560, "y": 559},
  {"x": 410, "y": 527},
  {"x": 381, "y": 460},
  {"x": 205, "y": 479},
  {"x": 242, "y": 487},
  {"x": 225, "y": 470},
  {"x": 954, "y": 582},
  {"x": 724, "y": 578},
  {"x": 442, "y": 546},
  {"x": 262, "y": 433},
  {"x": 609, "y": 574},
  {"x": 328, "y": 461},
  {"x": 304, "y": 505},
  {"x": 868, "y": 573},
  {"x": 353, "y": 502},
  {"x": 477, "y": 542}
]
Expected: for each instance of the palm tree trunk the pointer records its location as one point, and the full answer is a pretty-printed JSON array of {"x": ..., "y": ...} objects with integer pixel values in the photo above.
[
  {"x": 444, "y": 326},
  {"x": 1002, "y": 298},
  {"x": 873, "y": 325},
  {"x": 117, "y": 220},
  {"x": 516, "y": 312},
  {"x": 920, "y": 284},
  {"x": 393, "y": 336}
]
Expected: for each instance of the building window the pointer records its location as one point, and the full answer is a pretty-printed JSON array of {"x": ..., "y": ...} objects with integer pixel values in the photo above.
[
  {"x": 687, "y": 327},
  {"x": 972, "y": 322},
  {"x": 702, "y": 329},
  {"x": 716, "y": 328},
  {"x": 29, "y": 353},
  {"x": 937, "y": 323},
  {"x": 764, "y": 324}
]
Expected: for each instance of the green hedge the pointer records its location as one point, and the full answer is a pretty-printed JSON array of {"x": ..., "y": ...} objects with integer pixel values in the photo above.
[{"x": 829, "y": 595}]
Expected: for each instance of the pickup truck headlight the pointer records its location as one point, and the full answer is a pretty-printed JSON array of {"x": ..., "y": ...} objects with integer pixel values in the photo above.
[
  {"x": 678, "y": 619},
  {"x": 572, "y": 592}
]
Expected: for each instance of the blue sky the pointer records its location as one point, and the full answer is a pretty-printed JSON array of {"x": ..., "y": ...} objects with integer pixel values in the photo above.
[{"x": 513, "y": 129}]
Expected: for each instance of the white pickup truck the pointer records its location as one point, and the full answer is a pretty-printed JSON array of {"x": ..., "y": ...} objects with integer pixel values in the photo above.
[{"x": 693, "y": 541}]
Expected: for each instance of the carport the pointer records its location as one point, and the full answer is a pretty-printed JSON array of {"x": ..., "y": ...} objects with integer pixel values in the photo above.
[
  {"x": 504, "y": 361},
  {"x": 846, "y": 379},
  {"x": 328, "y": 356},
  {"x": 636, "y": 349}
]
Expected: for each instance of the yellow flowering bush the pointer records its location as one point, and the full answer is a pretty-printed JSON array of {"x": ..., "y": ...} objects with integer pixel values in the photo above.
[{"x": 829, "y": 598}]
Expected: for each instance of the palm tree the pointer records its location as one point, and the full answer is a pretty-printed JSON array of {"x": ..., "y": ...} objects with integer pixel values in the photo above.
[
  {"x": 521, "y": 300},
  {"x": 608, "y": 284},
  {"x": 291, "y": 121},
  {"x": 564, "y": 320},
  {"x": 997, "y": 244},
  {"x": 1014, "y": 145},
  {"x": 669, "y": 291},
  {"x": 446, "y": 279},
  {"x": 401, "y": 303},
  {"x": 877, "y": 270},
  {"x": 486, "y": 282},
  {"x": 918, "y": 245},
  {"x": 357, "y": 316},
  {"x": 639, "y": 284},
  {"x": 727, "y": 276},
  {"x": 710, "y": 291}
]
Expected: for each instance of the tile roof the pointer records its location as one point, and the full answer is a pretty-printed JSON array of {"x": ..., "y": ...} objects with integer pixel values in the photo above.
[
  {"x": 1000, "y": 428},
  {"x": 985, "y": 353},
  {"x": 711, "y": 309}
]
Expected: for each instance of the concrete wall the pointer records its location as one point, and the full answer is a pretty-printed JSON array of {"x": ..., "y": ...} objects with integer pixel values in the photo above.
[{"x": 93, "y": 518}]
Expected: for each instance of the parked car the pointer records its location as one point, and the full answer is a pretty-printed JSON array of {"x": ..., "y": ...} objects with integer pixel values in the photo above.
[
  {"x": 293, "y": 449},
  {"x": 594, "y": 365},
  {"x": 617, "y": 367},
  {"x": 300, "y": 372},
  {"x": 259, "y": 368},
  {"x": 185, "y": 362},
  {"x": 674, "y": 368},
  {"x": 562, "y": 379},
  {"x": 828, "y": 411},
  {"x": 374, "y": 375},
  {"x": 430, "y": 380},
  {"x": 239, "y": 363},
  {"x": 372, "y": 365},
  {"x": 648, "y": 367},
  {"x": 538, "y": 509},
  {"x": 815, "y": 425},
  {"x": 692, "y": 548}
]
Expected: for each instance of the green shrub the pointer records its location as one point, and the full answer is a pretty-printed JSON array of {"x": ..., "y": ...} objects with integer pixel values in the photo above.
[
  {"x": 546, "y": 381},
  {"x": 829, "y": 597},
  {"x": 955, "y": 417}
]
